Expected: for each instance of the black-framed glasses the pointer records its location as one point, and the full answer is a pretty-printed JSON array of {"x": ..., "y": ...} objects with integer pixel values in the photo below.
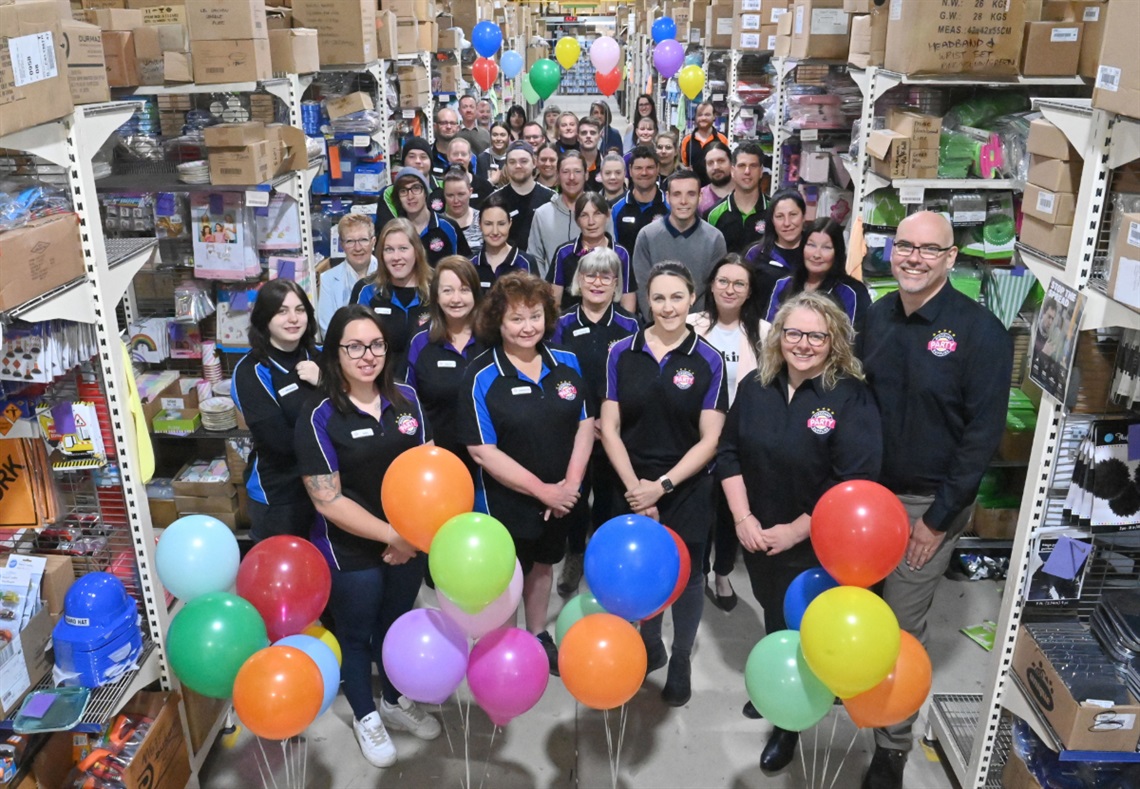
[
  {"x": 411, "y": 189},
  {"x": 905, "y": 249},
  {"x": 355, "y": 350},
  {"x": 816, "y": 339}
]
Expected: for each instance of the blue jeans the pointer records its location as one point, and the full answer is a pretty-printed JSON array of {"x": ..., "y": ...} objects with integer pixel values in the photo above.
[{"x": 364, "y": 604}]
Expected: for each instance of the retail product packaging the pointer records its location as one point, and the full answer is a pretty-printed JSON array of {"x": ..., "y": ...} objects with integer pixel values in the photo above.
[
  {"x": 1052, "y": 239},
  {"x": 33, "y": 76},
  {"x": 1056, "y": 207},
  {"x": 346, "y": 28},
  {"x": 1081, "y": 724},
  {"x": 820, "y": 29},
  {"x": 1047, "y": 140},
  {"x": 38, "y": 257},
  {"x": 868, "y": 39},
  {"x": 387, "y": 44},
  {"x": 224, "y": 245},
  {"x": 295, "y": 51},
  {"x": 1052, "y": 49},
  {"x": 1117, "y": 86},
  {"x": 1124, "y": 275},
  {"x": 115, "y": 18},
  {"x": 944, "y": 36},
  {"x": 244, "y": 60},
  {"x": 29, "y": 648},
  {"x": 219, "y": 20},
  {"x": 719, "y": 24},
  {"x": 161, "y": 759},
  {"x": 1054, "y": 174},
  {"x": 339, "y": 106},
  {"x": 204, "y": 478},
  {"x": 86, "y": 69},
  {"x": 177, "y": 423}
]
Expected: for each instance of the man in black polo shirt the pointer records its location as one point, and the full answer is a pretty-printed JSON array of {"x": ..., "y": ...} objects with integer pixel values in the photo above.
[
  {"x": 939, "y": 365},
  {"x": 740, "y": 216},
  {"x": 643, "y": 203},
  {"x": 521, "y": 194}
]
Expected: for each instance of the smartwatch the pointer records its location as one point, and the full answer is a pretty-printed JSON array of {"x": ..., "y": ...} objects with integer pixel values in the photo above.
[{"x": 666, "y": 484}]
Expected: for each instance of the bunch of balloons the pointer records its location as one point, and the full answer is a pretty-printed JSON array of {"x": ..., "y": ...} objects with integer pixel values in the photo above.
[
  {"x": 843, "y": 640},
  {"x": 486, "y": 38},
  {"x": 668, "y": 54},
  {"x": 605, "y": 54}
]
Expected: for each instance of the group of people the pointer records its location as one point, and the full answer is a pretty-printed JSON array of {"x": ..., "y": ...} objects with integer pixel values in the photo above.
[{"x": 716, "y": 370}]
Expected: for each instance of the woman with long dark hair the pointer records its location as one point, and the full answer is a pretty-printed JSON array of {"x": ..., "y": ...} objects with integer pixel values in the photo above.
[
  {"x": 492, "y": 163},
  {"x": 516, "y": 119},
  {"x": 781, "y": 250},
  {"x": 644, "y": 107},
  {"x": 270, "y": 386}
]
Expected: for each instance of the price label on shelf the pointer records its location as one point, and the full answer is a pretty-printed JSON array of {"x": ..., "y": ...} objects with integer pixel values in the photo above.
[
  {"x": 409, "y": 113},
  {"x": 256, "y": 198},
  {"x": 361, "y": 141},
  {"x": 911, "y": 195},
  {"x": 809, "y": 135}
]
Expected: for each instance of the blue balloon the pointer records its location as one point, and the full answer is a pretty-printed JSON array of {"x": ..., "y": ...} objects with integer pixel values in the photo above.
[
  {"x": 664, "y": 29},
  {"x": 631, "y": 566},
  {"x": 511, "y": 63},
  {"x": 804, "y": 588},
  {"x": 486, "y": 38},
  {"x": 323, "y": 656},
  {"x": 197, "y": 555}
]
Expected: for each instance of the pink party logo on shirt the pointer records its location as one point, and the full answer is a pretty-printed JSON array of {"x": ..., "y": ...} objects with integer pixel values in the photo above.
[
  {"x": 407, "y": 424},
  {"x": 436, "y": 245},
  {"x": 566, "y": 390},
  {"x": 684, "y": 379},
  {"x": 821, "y": 422},
  {"x": 942, "y": 344},
  {"x": 437, "y": 205}
]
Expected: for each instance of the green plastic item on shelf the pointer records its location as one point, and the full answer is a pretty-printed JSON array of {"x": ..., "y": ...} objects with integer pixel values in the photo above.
[
  {"x": 985, "y": 107},
  {"x": 967, "y": 281},
  {"x": 886, "y": 208}
]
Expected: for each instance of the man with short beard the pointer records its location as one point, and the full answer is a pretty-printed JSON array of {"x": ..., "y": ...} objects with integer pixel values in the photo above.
[
  {"x": 718, "y": 164},
  {"x": 521, "y": 194},
  {"x": 446, "y": 130},
  {"x": 740, "y": 217},
  {"x": 470, "y": 129}
]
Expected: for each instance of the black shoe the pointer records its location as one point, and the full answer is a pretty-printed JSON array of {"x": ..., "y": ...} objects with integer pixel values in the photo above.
[
  {"x": 779, "y": 751},
  {"x": 886, "y": 770},
  {"x": 678, "y": 689},
  {"x": 751, "y": 712},
  {"x": 551, "y": 651},
  {"x": 655, "y": 657},
  {"x": 725, "y": 602}
]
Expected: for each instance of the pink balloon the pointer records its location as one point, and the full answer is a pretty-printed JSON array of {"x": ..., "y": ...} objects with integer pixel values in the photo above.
[
  {"x": 668, "y": 56},
  {"x": 507, "y": 673},
  {"x": 497, "y": 612},
  {"x": 605, "y": 53},
  {"x": 425, "y": 655}
]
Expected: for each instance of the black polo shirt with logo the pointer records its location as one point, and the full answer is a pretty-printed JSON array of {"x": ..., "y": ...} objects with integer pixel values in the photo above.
[
  {"x": 740, "y": 230},
  {"x": 514, "y": 261},
  {"x": 435, "y": 371},
  {"x": 591, "y": 342},
  {"x": 442, "y": 237},
  {"x": 402, "y": 315},
  {"x": 481, "y": 189},
  {"x": 630, "y": 216}
]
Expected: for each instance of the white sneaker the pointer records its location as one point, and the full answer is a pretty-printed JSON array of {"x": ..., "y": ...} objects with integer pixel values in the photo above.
[
  {"x": 374, "y": 741},
  {"x": 406, "y": 716}
]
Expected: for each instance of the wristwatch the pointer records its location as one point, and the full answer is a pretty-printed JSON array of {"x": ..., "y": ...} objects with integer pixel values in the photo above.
[{"x": 666, "y": 484}]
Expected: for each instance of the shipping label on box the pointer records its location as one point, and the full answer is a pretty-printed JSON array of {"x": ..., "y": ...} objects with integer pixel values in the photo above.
[
  {"x": 219, "y": 20},
  {"x": 1057, "y": 207},
  {"x": 33, "y": 77}
]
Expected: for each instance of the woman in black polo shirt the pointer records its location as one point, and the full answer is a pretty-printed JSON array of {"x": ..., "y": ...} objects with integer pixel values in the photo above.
[
  {"x": 803, "y": 424},
  {"x": 498, "y": 256},
  {"x": 666, "y": 396},
  {"x": 270, "y": 386},
  {"x": 527, "y": 421},
  {"x": 345, "y": 444},
  {"x": 592, "y": 214},
  {"x": 398, "y": 293},
  {"x": 781, "y": 250}
]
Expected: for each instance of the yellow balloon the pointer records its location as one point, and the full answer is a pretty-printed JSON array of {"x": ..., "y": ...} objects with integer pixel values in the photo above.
[
  {"x": 850, "y": 639},
  {"x": 691, "y": 81},
  {"x": 567, "y": 51},
  {"x": 324, "y": 636}
]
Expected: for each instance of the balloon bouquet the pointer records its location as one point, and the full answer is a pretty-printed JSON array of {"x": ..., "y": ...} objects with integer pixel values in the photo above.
[
  {"x": 669, "y": 55},
  {"x": 842, "y": 639}
]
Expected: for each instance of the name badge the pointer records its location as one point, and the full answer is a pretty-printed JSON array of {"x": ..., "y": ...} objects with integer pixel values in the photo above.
[
  {"x": 513, "y": 214},
  {"x": 445, "y": 363},
  {"x": 520, "y": 390},
  {"x": 383, "y": 310},
  {"x": 484, "y": 285},
  {"x": 630, "y": 219},
  {"x": 287, "y": 390},
  {"x": 363, "y": 433},
  {"x": 580, "y": 332}
]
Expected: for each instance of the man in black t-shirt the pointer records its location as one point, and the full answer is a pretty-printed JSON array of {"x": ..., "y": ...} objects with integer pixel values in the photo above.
[{"x": 521, "y": 194}]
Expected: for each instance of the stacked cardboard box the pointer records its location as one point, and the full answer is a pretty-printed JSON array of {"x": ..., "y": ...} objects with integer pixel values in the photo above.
[
  {"x": 205, "y": 487},
  {"x": 820, "y": 29},
  {"x": 1052, "y": 49},
  {"x": 229, "y": 42},
  {"x": 1118, "y": 69},
  {"x": 415, "y": 86},
  {"x": 907, "y": 147},
  {"x": 346, "y": 29},
  {"x": 295, "y": 51},
  {"x": 953, "y": 40},
  {"x": 868, "y": 33},
  {"x": 1049, "y": 203},
  {"x": 86, "y": 69},
  {"x": 252, "y": 152},
  {"x": 1124, "y": 274}
]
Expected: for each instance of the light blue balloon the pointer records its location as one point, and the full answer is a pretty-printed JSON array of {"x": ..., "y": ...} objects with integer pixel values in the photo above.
[
  {"x": 197, "y": 555},
  {"x": 511, "y": 63},
  {"x": 323, "y": 656}
]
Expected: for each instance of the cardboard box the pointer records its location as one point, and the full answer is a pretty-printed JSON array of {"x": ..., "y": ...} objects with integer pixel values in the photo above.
[
  {"x": 1051, "y": 49},
  {"x": 185, "y": 481},
  {"x": 868, "y": 39},
  {"x": 295, "y": 51},
  {"x": 1117, "y": 87},
  {"x": 1124, "y": 274},
  {"x": 995, "y": 524},
  {"x": 230, "y": 135},
  {"x": 247, "y": 60},
  {"x": 1047, "y": 140},
  {"x": 172, "y": 37},
  {"x": 207, "y": 505},
  {"x": 119, "y": 58},
  {"x": 719, "y": 24},
  {"x": 161, "y": 759},
  {"x": 924, "y": 131},
  {"x": 783, "y": 47},
  {"x": 59, "y": 575},
  {"x": 86, "y": 69},
  {"x": 220, "y": 20},
  {"x": 449, "y": 38},
  {"x": 1044, "y": 236},
  {"x": 39, "y": 90},
  {"x": 1080, "y": 725},
  {"x": 104, "y": 4},
  {"x": 449, "y": 75},
  {"x": 895, "y": 155},
  {"x": 408, "y": 37},
  {"x": 162, "y": 512},
  {"x": 1092, "y": 14},
  {"x": 254, "y": 163},
  {"x": 415, "y": 100},
  {"x": 858, "y": 6},
  {"x": 278, "y": 18},
  {"x": 1057, "y": 207},
  {"x": 387, "y": 44},
  {"x": 951, "y": 42},
  {"x": 178, "y": 422},
  {"x": 346, "y": 28},
  {"x": 201, "y": 713},
  {"x": 160, "y": 13},
  {"x": 338, "y": 107},
  {"x": 32, "y": 641},
  {"x": 1054, "y": 174},
  {"x": 38, "y": 257},
  {"x": 115, "y": 18},
  {"x": 820, "y": 29},
  {"x": 288, "y": 148},
  {"x": 148, "y": 55},
  {"x": 428, "y": 38},
  {"x": 410, "y": 9},
  {"x": 1015, "y": 775}
]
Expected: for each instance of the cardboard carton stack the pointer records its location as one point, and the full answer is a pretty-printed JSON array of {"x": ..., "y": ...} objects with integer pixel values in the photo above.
[
  {"x": 229, "y": 41},
  {"x": 253, "y": 152},
  {"x": 295, "y": 50},
  {"x": 417, "y": 30},
  {"x": 1050, "y": 200},
  {"x": 907, "y": 147},
  {"x": 82, "y": 48},
  {"x": 346, "y": 29},
  {"x": 868, "y": 33},
  {"x": 1117, "y": 87},
  {"x": 415, "y": 86}
]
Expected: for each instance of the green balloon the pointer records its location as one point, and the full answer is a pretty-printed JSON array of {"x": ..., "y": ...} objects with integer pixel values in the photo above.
[
  {"x": 472, "y": 560},
  {"x": 528, "y": 90},
  {"x": 782, "y": 687},
  {"x": 575, "y": 608},
  {"x": 210, "y": 639},
  {"x": 544, "y": 77}
]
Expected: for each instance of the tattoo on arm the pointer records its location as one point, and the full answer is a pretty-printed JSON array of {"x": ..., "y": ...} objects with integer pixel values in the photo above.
[{"x": 323, "y": 488}]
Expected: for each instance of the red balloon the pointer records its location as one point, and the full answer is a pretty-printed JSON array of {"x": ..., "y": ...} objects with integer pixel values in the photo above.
[
  {"x": 608, "y": 83},
  {"x": 898, "y": 696},
  {"x": 859, "y": 531},
  {"x": 288, "y": 581},
  {"x": 682, "y": 574},
  {"x": 485, "y": 71}
]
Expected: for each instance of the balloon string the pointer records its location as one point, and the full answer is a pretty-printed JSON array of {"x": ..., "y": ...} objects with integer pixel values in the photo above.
[
  {"x": 266, "y": 757},
  {"x": 446, "y": 731},
  {"x": 305, "y": 765},
  {"x": 841, "y": 761},
  {"x": 621, "y": 740},
  {"x": 466, "y": 743},
  {"x": 261, "y": 772},
  {"x": 610, "y": 748},
  {"x": 285, "y": 759},
  {"x": 814, "y": 753},
  {"x": 487, "y": 761},
  {"x": 827, "y": 756},
  {"x": 803, "y": 763}
]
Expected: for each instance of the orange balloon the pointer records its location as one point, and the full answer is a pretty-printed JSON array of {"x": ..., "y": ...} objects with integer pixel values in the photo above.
[
  {"x": 602, "y": 661},
  {"x": 898, "y": 696},
  {"x": 424, "y": 488},
  {"x": 278, "y": 692}
]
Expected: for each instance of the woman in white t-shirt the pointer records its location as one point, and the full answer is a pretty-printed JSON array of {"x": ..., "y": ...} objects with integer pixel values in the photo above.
[{"x": 732, "y": 322}]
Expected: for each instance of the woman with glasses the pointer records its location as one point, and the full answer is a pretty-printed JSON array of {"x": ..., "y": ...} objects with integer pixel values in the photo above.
[
  {"x": 358, "y": 240},
  {"x": 592, "y": 214},
  {"x": 803, "y": 423},
  {"x": 781, "y": 251},
  {"x": 439, "y": 235},
  {"x": 398, "y": 294},
  {"x": 360, "y": 422},
  {"x": 666, "y": 396},
  {"x": 589, "y": 329},
  {"x": 492, "y": 163},
  {"x": 731, "y": 322},
  {"x": 270, "y": 387},
  {"x": 498, "y": 256},
  {"x": 527, "y": 421},
  {"x": 825, "y": 255}
]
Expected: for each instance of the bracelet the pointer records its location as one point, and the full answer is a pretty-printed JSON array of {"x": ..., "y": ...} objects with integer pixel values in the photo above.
[{"x": 746, "y": 517}]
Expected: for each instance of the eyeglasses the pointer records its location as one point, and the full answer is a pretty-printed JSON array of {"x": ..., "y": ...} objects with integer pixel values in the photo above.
[
  {"x": 815, "y": 339},
  {"x": 355, "y": 350},
  {"x": 411, "y": 189},
  {"x": 448, "y": 123},
  {"x": 905, "y": 249},
  {"x": 357, "y": 242},
  {"x": 601, "y": 279},
  {"x": 730, "y": 284}
]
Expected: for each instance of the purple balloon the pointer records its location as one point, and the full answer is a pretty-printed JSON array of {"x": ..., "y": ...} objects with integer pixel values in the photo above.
[
  {"x": 507, "y": 673},
  {"x": 668, "y": 57},
  {"x": 425, "y": 655}
]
